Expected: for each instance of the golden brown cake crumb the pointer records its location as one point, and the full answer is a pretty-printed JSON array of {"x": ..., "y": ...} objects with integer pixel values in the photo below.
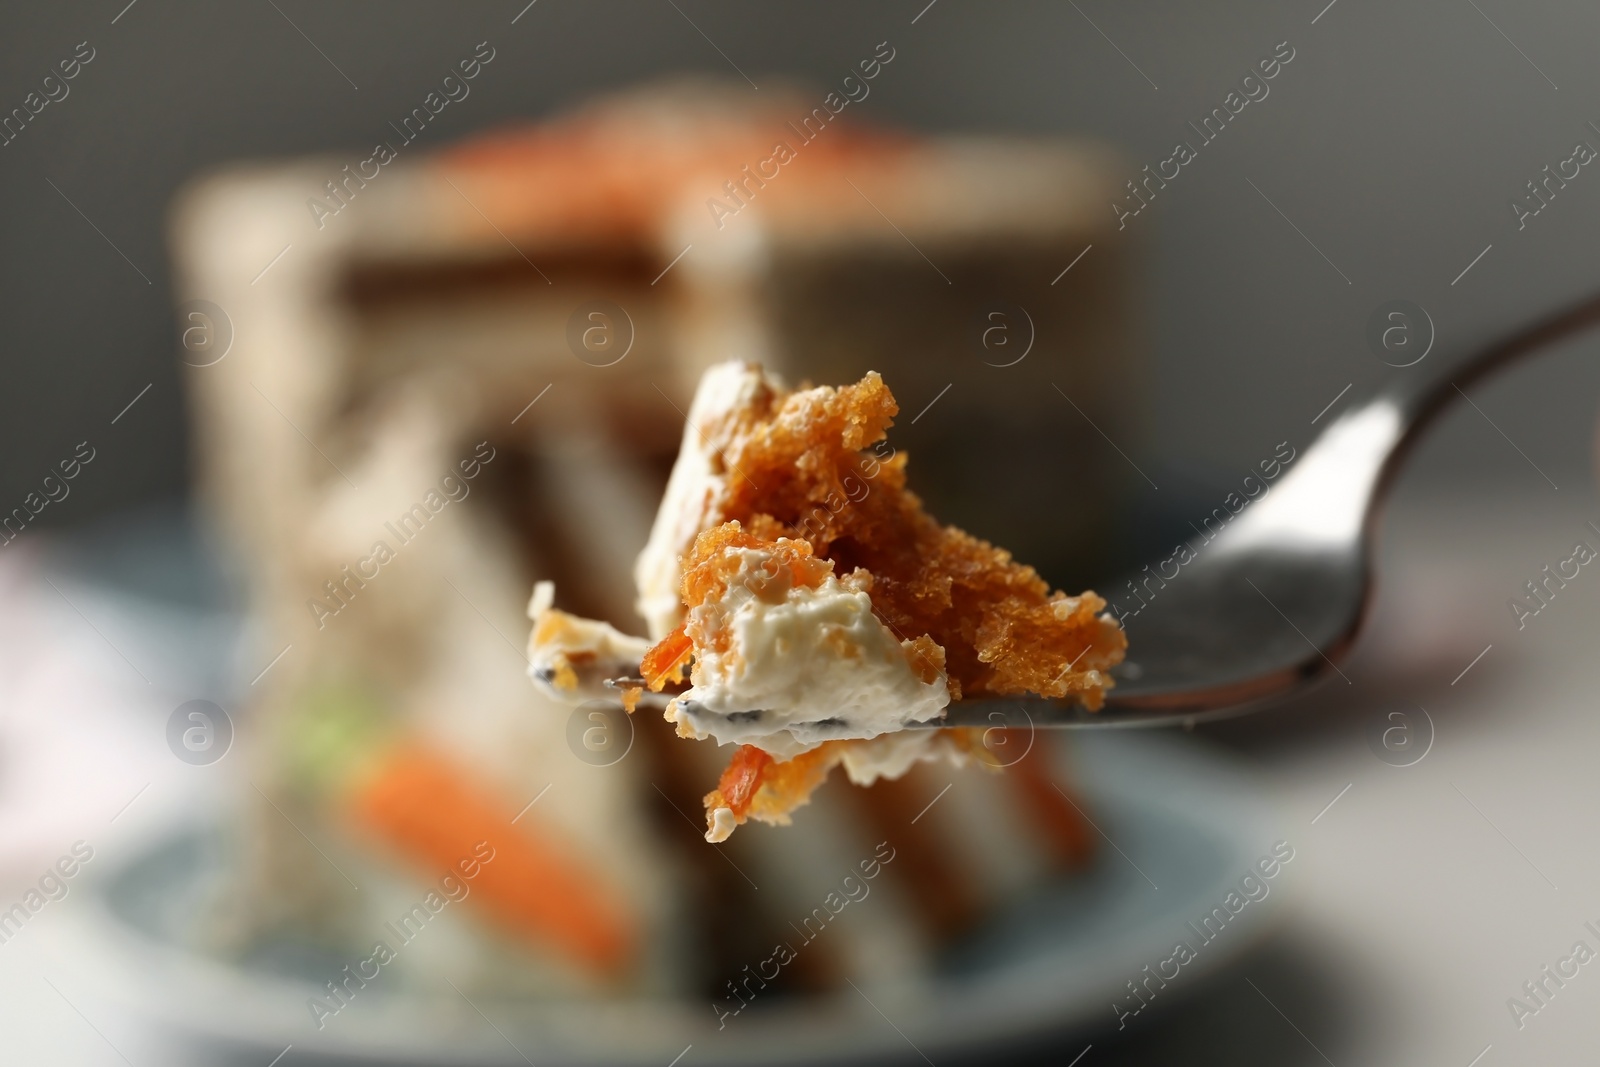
[{"x": 800, "y": 485}]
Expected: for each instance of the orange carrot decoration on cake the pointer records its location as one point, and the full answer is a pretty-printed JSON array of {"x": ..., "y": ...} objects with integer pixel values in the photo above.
[{"x": 435, "y": 812}]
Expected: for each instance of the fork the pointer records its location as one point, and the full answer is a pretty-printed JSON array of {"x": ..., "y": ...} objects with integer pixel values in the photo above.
[{"x": 1275, "y": 601}]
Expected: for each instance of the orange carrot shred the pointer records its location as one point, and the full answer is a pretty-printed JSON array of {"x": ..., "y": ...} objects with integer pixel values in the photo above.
[
  {"x": 434, "y": 812},
  {"x": 742, "y": 778},
  {"x": 664, "y": 661}
]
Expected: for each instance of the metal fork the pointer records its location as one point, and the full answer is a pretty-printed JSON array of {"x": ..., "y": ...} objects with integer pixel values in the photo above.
[{"x": 1274, "y": 602}]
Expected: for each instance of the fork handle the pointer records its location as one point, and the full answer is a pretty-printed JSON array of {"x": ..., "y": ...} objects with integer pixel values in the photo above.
[{"x": 1422, "y": 395}]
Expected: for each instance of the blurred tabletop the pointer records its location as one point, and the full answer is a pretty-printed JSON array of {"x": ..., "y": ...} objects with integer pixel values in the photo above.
[{"x": 1432, "y": 880}]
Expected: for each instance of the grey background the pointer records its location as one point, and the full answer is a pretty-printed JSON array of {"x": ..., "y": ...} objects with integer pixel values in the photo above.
[{"x": 1394, "y": 141}]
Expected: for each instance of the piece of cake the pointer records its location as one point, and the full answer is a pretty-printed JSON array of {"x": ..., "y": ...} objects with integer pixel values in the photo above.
[
  {"x": 822, "y": 609},
  {"x": 525, "y": 306}
]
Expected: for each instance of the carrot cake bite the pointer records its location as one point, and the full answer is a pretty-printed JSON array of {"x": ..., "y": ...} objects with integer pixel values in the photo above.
[{"x": 815, "y": 609}]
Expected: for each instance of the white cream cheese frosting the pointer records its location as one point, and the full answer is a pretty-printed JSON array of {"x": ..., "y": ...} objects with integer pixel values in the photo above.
[
  {"x": 571, "y": 657},
  {"x": 728, "y": 392},
  {"x": 786, "y": 667}
]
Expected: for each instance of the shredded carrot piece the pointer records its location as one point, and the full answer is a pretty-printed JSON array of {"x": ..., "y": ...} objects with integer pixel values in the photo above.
[
  {"x": 434, "y": 812},
  {"x": 742, "y": 778},
  {"x": 754, "y": 785},
  {"x": 664, "y": 662}
]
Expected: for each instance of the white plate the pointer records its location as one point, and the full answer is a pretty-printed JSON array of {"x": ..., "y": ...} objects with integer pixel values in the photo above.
[{"x": 1175, "y": 817}]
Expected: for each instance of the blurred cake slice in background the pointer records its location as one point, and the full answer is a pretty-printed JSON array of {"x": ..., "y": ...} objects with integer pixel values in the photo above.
[{"x": 469, "y": 371}]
